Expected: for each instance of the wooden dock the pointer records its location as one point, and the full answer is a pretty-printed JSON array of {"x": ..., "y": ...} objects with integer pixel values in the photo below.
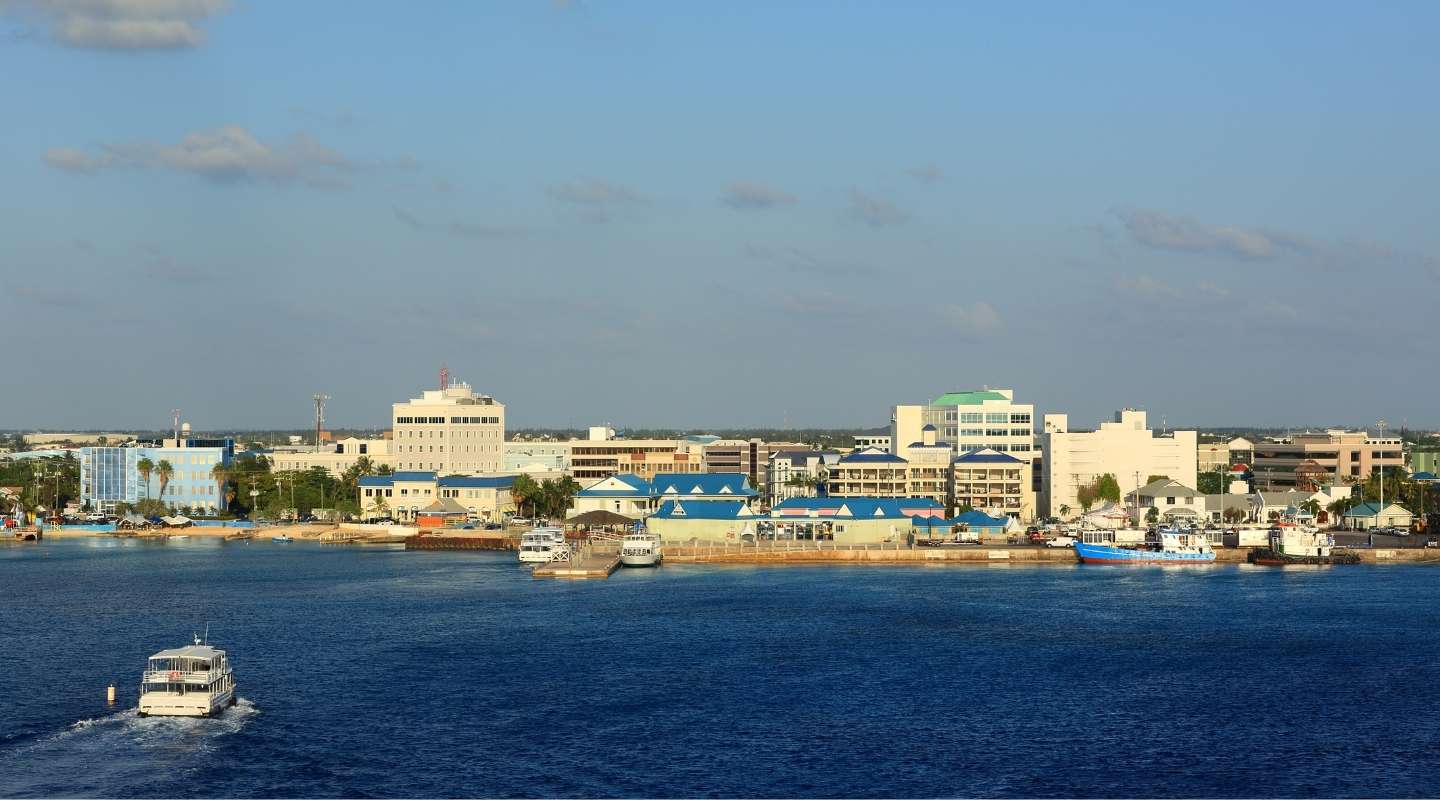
[{"x": 583, "y": 566}]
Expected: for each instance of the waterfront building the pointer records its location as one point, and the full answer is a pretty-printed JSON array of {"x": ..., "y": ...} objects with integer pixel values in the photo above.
[
  {"x": 750, "y": 457},
  {"x": 538, "y": 456},
  {"x": 1314, "y": 459},
  {"x": 878, "y": 441},
  {"x": 968, "y": 420},
  {"x": 635, "y": 496},
  {"x": 1425, "y": 458},
  {"x": 730, "y": 521},
  {"x": 799, "y": 473},
  {"x": 1172, "y": 500},
  {"x": 928, "y": 467},
  {"x": 996, "y": 483},
  {"x": 111, "y": 475},
  {"x": 603, "y": 454},
  {"x": 404, "y": 495},
  {"x": 1368, "y": 516},
  {"x": 1220, "y": 456},
  {"x": 858, "y": 520},
  {"x": 449, "y": 431},
  {"x": 334, "y": 458},
  {"x": 1124, "y": 448},
  {"x": 871, "y": 472}
]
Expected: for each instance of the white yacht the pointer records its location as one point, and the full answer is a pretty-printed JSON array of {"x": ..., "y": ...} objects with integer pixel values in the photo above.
[
  {"x": 543, "y": 545},
  {"x": 641, "y": 550},
  {"x": 192, "y": 681}
]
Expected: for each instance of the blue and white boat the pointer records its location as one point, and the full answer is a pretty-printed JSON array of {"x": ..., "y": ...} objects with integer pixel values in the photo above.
[{"x": 1169, "y": 547}]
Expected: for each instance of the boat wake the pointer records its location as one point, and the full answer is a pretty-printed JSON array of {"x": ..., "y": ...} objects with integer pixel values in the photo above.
[{"x": 116, "y": 750}]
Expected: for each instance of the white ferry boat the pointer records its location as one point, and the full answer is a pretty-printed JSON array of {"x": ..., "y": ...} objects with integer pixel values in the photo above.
[
  {"x": 641, "y": 550},
  {"x": 543, "y": 545},
  {"x": 192, "y": 681}
]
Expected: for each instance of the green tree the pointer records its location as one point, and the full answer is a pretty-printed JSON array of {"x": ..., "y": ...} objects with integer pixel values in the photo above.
[
  {"x": 1086, "y": 497},
  {"x": 1311, "y": 507},
  {"x": 220, "y": 473},
  {"x": 1210, "y": 482},
  {"x": 1064, "y": 511},
  {"x": 1233, "y": 515},
  {"x": 525, "y": 492},
  {"x": 1107, "y": 488},
  {"x": 1154, "y": 478},
  {"x": 1153, "y": 515},
  {"x": 164, "y": 471},
  {"x": 145, "y": 466}
]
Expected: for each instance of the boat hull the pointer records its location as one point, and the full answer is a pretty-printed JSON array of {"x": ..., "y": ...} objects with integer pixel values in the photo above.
[
  {"x": 640, "y": 560},
  {"x": 189, "y": 704},
  {"x": 1270, "y": 558},
  {"x": 1109, "y": 554}
]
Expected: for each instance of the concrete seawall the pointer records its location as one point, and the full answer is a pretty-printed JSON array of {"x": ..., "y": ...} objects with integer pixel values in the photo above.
[{"x": 733, "y": 554}]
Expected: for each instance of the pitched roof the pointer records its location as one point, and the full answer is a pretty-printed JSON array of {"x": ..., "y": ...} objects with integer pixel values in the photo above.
[
  {"x": 414, "y": 476},
  {"x": 376, "y": 480},
  {"x": 634, "y": 486},
  {"x": 478, "y": 481},
  {"x": 937, "y": 445},
  {"x": 1166, "y": 487},
  {"x": 858, "y": 507},
  {"x": 444, "y": 505},
  {"x": 979, "y": 519},
  {"x": 871, "y": 455},
  {"x": 703, "y": 483},
  {"x": 1372, "y": 509},
  {"x": 985, "y": 455},
  {"x": 702, "y": 509}
]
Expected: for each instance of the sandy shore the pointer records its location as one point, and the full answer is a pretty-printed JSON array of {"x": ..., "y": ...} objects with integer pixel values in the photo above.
[{"x": 305, "y": 531}]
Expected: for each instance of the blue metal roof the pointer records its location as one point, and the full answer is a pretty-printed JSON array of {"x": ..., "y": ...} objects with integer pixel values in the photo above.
[
  {"x": 979, "y": 519},
  {"x": 703, "y": 483},
  {"x": 478, "y": 481},
  {"x": 414, "y": 476},
  {"x": 700, "y": 509},
  {"x": 376, "y": 480},
  {"x": 872, "y": 458},
  {"x": 986, "y": 457},
  {"x": 862, "y": 507}
]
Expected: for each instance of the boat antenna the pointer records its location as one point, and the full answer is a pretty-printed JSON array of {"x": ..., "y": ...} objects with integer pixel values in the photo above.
[{"x": 207, "y": 631}]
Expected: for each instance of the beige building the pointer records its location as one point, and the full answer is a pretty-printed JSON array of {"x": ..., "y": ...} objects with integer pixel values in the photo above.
[
  {"x": 401, "y": 495},
  {"x": 602, "y": 455},
  {"x": 1124, "y": 447},
  {"x": 750, "y": 457},
  {"x": 998, "y": 484},
  {"x": 928, "y": 470},
  {"x": 870, "y": 473},
  {"x": 1311, "y": 460},
  {"x": 335, "y": 458},
  {"x": 972, "y": 420},
  {"x": 450, "y": 431},
  {"x": 1220, "y": 456}
]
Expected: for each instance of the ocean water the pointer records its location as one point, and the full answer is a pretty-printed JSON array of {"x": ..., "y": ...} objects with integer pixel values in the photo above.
[{"x": 385, "y": 673}]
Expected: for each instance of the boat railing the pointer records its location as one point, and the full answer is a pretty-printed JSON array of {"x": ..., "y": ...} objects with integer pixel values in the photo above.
[{"x": 177, "y": 676}]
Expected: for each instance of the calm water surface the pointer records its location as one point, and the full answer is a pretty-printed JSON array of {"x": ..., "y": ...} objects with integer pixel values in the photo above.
[{"x": 379, "y": 673}]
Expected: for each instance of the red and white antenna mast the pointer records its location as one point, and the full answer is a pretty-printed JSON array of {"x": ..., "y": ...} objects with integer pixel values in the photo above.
[{"x": 444, "y": 376}]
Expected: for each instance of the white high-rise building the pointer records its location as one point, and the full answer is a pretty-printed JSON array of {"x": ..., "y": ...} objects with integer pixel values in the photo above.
[
  {"x": 968, "y": 421},
  {"x": 1124, "y": 448},
  {"x": 450, "y": 431}
]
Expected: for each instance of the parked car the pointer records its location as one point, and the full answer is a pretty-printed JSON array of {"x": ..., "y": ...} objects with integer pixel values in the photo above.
[
  {"x": 1432, "y": 542},
  {"x": 1037, "y": 536},
  {"x": 1061, "y": 541}
]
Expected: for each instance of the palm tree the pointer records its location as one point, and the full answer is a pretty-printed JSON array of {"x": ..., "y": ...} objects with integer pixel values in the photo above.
[
  {"x": 221, "y": 474},
  {"x": 524, "y": 491},
  {"x": 164, "y": 470},
  {"x": 145, "y": 466},
  {"x": 1311, "y": 507},
  {"x": 1064, "y": 511},
  {"x": 378, "y": 506}
]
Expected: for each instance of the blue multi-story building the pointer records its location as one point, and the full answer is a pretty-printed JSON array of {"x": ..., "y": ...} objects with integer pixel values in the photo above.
[{"x": 111, "y": 475}]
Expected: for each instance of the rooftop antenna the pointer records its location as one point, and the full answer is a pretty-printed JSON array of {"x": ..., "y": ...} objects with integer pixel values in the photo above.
[
  {"x": 319, "y": 417},
  {"x": 175, "y": 422},
  {"x": 444, "y": 376}
]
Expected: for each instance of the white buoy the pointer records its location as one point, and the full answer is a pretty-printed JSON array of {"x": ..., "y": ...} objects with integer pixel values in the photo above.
[{"x": 110, "y": 694}]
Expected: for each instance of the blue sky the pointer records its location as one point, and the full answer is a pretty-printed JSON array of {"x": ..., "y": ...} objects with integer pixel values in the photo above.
[{"x": 650, "y": 213}]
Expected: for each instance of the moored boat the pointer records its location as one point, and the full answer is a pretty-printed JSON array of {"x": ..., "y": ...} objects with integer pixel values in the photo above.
[
  {"x": 281, "y": 538},
  {"x": 1293, "y": 544},
  {"x": 641, "y": 550},
  {"x": 191, "y": 681},
  {"x": 543, "y": 545},
  {"x": 1168, "y": 547}
]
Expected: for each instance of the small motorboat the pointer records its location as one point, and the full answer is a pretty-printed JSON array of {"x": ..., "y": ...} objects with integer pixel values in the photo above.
[{"x": 281, "y": 538}]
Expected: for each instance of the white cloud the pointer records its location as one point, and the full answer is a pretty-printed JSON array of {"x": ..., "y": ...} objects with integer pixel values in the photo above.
[
  {"x": 1146, "y": 287},
  {"x": 746, "y": 195},
  {"x": 980, "y": 318},
  {"x": 595, "y": 199},
  {"x": 123, "y": 24},
  {"x": 1160, "y": 230},
  {"x": 228, "y": 153},
  {"x": 873, "y": 211},
  {"x": 925, "y": 173}
]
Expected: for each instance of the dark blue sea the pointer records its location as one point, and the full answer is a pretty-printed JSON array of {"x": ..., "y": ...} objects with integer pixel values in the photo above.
[{"x": 385, "y": 673}]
